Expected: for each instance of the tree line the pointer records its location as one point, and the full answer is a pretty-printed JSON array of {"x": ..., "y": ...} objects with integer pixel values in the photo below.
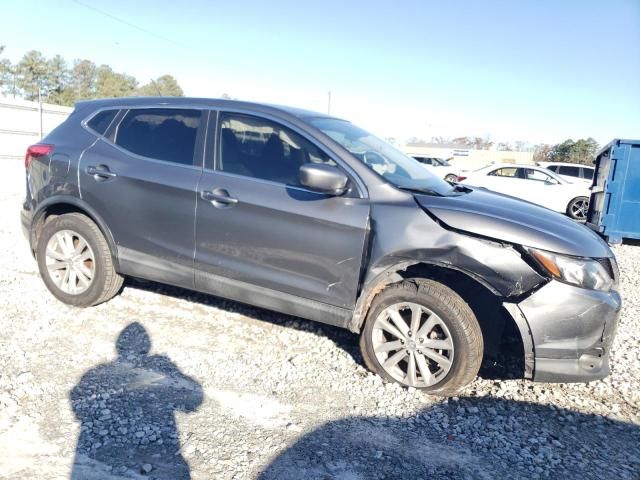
[
  {"x": 580, "y": 151},
  {"x": 53, "y": 80}
]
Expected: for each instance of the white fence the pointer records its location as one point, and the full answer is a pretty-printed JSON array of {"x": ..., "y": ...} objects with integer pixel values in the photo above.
[{"x": 23, "y": 123}]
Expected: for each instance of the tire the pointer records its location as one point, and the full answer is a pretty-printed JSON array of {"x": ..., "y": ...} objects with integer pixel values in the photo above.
[
  {"x": 90, "y": 275},
  {"x": 577, "y": 208},
  {"x": 455, "y": 337},
  {"x": 451, "y": 178}
]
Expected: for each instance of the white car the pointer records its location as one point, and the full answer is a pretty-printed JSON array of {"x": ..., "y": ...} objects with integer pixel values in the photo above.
[
  {"x": 440, "y": 167},
  {"x": 536, "y": 185},
  {"x": 572, "y": 172}
]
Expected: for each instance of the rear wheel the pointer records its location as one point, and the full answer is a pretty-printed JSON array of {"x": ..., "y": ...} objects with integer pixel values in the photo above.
[
  {"x": 75, "y": 261},
  {"x": 578, "y": 207},
  {"x": 421, "y": 334}
]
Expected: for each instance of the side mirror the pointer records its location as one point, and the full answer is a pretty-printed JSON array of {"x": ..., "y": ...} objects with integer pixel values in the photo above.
[{"x": 323, "y": 178}]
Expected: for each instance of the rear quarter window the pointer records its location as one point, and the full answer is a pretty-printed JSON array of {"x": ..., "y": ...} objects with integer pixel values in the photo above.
[
  {"x": 587, "y": 173},
  {"x": 100, "y": 122}
]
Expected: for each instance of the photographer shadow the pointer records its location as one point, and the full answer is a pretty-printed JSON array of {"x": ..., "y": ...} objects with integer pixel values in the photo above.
[{"x": 127, "y": 412}]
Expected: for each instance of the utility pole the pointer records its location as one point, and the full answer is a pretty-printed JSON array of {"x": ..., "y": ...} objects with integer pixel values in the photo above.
[{"x": 329, "y": 102}]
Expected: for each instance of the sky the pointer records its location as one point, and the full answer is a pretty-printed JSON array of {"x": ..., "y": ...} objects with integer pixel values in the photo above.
[{"x": 531, "y": 70}]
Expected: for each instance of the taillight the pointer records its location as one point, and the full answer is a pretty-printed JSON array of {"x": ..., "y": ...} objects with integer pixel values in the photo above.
[
  {"x": 35, "y": 151},
  {"x": 461, "y": 178}
]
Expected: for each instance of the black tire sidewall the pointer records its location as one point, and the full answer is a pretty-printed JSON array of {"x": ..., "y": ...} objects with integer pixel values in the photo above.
[
  {"x": 435, "y": 304},
  {"x": 569, "y": 213},
  {"x": 82, "y": 227}
]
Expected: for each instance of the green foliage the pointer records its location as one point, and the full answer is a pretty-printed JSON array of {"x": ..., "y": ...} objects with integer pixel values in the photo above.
[
  {"x": 582, "y": 151},
  {"x": 111, "y": 84},
  {"x": 31, "y": 75},
  {"x": 6, "y": 74},
  {"x": 164, "y": 86},
  {"x": 55, "y": 82}
]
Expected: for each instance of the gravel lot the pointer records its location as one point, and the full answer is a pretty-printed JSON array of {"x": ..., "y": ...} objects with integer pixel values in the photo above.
[{"x": 228, "y": 391}]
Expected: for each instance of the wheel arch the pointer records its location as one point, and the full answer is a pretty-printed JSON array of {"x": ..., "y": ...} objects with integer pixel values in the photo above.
[
  {"x": 494, "y": 315},
  {"x": 60, "y": 205}
]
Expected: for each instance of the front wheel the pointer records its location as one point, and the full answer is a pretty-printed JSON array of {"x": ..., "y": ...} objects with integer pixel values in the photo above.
[
  {"x": 577, "y": 208},
  {"x": 420, "y": 333},
  {"x": 75, "y": 261}
]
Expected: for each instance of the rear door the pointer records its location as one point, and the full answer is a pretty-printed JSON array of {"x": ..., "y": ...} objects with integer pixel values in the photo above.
[
  {"x": 259, "y": 230},
  {"x": 502, "y": 180},
  {"x": 141, "y": 178}
]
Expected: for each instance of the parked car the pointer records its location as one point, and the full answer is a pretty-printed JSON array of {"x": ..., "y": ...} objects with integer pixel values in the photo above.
[
  {"x": 440, "y": 167},
  {"x": 314, "y": 217},
  {"x": 536, "y": 185},
  {"x": 570, "y": 171}
]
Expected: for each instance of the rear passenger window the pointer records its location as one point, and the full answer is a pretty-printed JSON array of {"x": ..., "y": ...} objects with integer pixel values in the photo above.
[
  {"x": 569, "y": 171},
  {"x": 260, "y": 148},
  {"x": 101, "y": 121},
  {"x": 167, "y": 134}
]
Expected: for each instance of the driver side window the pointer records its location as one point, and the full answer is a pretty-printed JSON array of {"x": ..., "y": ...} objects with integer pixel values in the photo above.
[{"x": 259, "y": 148}]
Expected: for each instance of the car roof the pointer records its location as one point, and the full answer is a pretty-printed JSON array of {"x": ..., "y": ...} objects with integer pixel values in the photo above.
[
  {"x": 565, "y": 164},
  {"x": 198, "y": 102}
]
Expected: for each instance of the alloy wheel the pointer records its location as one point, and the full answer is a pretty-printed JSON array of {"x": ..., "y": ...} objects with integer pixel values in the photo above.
[
  {"x": 579, "y": 209},
  {"x": 413, "y": 344},
  {"x": 70, "y": 262}
]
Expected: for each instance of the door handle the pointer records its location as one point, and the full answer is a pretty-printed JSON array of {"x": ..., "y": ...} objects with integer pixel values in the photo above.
[
  {"x": 102, "y": 173},
  {"x": 218, "y": 195}
]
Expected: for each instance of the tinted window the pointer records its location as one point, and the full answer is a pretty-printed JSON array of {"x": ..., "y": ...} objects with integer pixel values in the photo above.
[
  {"x": 424, "y": 160},
  {"x": 101, "y": 121},
  {"x": 569, "y": 171},
  {"x": 167, "y": 134},
  {"x": 259, "y": 148},
  {"x": 553, "y": 168},
  {"x": 505, "y": 172},
  {"x": 587, "y": 173}
]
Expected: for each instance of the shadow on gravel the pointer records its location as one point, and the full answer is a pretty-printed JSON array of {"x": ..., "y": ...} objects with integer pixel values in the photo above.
[
  {"x": 127, "y": 413},
  {"x": 505, "y": 362},
  {"x": 341, "y": 337},
  {"x": 470, "y": 438}
]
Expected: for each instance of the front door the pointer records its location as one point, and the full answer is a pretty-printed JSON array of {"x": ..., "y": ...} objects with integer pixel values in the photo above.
[{"x": 259, "y": 230}]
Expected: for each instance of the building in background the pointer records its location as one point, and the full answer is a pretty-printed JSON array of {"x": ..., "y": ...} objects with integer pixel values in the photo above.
[
  {"x": 466, "y": 158},
  {"x": 23, "y": 123}
]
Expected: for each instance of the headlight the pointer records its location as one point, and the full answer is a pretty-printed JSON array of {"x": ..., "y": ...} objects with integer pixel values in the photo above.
[{"x": 583, "y": 272}]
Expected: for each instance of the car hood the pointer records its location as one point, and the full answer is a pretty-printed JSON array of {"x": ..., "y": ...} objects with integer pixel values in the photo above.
[{"x": 489, "y": 214}]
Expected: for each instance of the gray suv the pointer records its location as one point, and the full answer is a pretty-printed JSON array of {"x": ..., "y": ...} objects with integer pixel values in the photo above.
[{"x": 309, "y": 215}]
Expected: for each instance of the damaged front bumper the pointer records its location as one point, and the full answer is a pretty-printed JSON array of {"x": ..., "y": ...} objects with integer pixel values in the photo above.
[{"x": 567, "y": 332}]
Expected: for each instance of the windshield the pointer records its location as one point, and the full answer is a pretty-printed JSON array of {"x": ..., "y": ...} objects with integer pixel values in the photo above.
[
  {"x": 394, "y": 166},
  {"x": 442, "y": 162}
]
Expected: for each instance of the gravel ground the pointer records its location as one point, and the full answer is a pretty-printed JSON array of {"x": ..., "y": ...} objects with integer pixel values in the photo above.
[{"x": 165, "y": 383}]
